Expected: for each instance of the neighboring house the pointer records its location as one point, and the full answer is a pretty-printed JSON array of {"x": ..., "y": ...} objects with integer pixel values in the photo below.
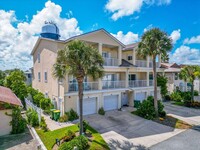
[
  {"x": 7, "y": 97},
  {"x": 127, "y": 76},
  {"x": 28, "y": 74},
  {"x": 172, "y": 71}
]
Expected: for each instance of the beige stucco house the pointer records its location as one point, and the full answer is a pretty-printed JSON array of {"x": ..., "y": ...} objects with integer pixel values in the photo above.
[
  {"x": 172, "y": 71},
  {"x": 127, "y": 76}
]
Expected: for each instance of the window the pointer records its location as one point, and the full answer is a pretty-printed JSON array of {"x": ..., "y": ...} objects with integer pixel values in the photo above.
[
  {"x": 45, "y": 76},
  {"x": 130, "y": 57},
  {"x": 39, "y": 76},
  {"x": 176, "y": 76},
  {"x": 29, "y": 76},
  {"x": 106, "y": 55},
  {"x": 131, "y": 77},
  {"x": 150, "y": 76},
  {"x": 38, "y": 57}
]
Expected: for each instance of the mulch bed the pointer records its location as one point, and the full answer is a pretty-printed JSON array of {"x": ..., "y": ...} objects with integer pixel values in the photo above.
[{"x": 173, "y": 122}]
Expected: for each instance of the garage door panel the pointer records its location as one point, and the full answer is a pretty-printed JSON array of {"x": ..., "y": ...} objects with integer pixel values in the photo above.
[
  {"x": 89, "y": 106},
  {"x": 141, "y": 96},
  {"x": 110, "y": 102}
]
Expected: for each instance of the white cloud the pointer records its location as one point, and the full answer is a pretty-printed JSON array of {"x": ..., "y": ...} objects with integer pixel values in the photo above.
[
  {"x": 175, "y": 35},
  {"x": 128, "y": 38},
  {"x": 148, "y": 27},
  {"x": 17, "y": 41},
  {"x": 186, "y": 55},
  {"x": 120, "y": 8},
  {"x": 193, "y": 40}
]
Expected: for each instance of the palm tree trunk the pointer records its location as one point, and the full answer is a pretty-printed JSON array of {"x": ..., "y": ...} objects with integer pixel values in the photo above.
[
  {"x": 155, "y": 86},
  {"x": 192, "y": 91},
  {"x": 58, "y": 95},
  {"x": 80, "y": 94}
]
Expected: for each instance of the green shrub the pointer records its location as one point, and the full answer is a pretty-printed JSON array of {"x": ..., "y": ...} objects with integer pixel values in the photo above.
[
  {"x": 63, "y": 118},
  {"x": 69, "y": 136},
  {"x": 18, "y": 123},
  {"x": 43, "y": 125},
  {"x": 81, "y": 142},
  {"x": 196, "y": 93},
  {"x": 146, "y": 109},
  {"x": 101, "y": 111},
  {"x": 45, "y": 103},
  {"x": 72, "y": 115},
  {"x": 85, "y": 125},
  {"x": 32, "y": 117},
  {"x": 175, "y": 96},
  {"x": 37, "y": 98}
]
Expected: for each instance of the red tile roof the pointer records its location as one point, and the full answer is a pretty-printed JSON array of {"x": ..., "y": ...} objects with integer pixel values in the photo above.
[{"x": 7, "y": 96}]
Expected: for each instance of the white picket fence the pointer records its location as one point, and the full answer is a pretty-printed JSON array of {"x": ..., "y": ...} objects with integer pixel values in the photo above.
[{"x": 29, "y": 104}]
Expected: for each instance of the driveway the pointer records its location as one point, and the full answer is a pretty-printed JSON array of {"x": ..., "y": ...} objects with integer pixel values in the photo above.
[
  {"x": 189, "y": 115},
  {"x": 122, "y": 130}
]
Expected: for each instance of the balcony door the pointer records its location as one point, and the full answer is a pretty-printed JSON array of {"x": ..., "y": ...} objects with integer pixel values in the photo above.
[
  {"x": 108, "y": 80},
  {"x": 131, "y": 77}
]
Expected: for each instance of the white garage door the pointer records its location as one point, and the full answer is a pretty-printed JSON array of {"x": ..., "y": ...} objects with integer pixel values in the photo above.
[
  {"x": 140, "y": 96},
  {"x": 110, "y": 102},
  {"x": 89, "y": 106}
]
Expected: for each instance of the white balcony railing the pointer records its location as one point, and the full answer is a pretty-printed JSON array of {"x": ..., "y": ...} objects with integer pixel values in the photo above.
[
  {"x": 141, "y": 63},
  {"x": 151, "y": 64},
  {"x": 87, "y": 86},
  {"x": 113, "y": 84},
  {"x": 137, "y": 83},
  {"x": 110, "y": 62},
  {"x": 151, "y": 82}
]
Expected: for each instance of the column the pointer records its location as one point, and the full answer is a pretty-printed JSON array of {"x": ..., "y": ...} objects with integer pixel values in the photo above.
[
  {"x": 119, "y": 55},
  {"x": 148, "y": 78},
  {"x": 134, "y": 57},
  {"x": 126, "y": 75},
  {"x": 99, "y": 84},
  {"x": 100, "y": 48},
  {"x": 61, "y": 106}
]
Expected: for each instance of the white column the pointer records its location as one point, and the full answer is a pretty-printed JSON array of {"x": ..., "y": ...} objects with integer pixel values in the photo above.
[
  {"x": 126, "y": 75},
  {"x": 119, "y": 55},
  {"x": 134, "y": 57},
  {"x": 100, "y": 84},
  {"x": 61, "y": 106},
  {"x": 148, "y": 78},
  {"x": 100, "y": 48}
]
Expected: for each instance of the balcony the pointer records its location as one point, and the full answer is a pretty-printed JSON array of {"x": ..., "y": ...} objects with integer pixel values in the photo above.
[
  {"x": 151, "y": 82},
  {"x": 137, "y": 83},
  {"x": 113, "y": 84},
  {"x": 141, "y": 63},
  {"x": 87, "y": 86},
  {"x": 110, "y": 61},
  {"x": 151, "y": 64}
]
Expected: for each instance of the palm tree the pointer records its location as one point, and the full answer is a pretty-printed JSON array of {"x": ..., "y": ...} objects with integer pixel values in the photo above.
[
  {"x": 189, "y": 74},
  {"x": 154, "y": 43},
  {"x": 80, "y": 60}
]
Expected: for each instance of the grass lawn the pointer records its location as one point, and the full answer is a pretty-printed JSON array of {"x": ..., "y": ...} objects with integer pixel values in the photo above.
[
  {"x": 173, "y": 122},
  {"x": 49, "y": 138}
]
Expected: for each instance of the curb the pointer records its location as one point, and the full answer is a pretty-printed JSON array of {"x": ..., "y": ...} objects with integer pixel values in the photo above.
[{"x": 38, "y": 138}]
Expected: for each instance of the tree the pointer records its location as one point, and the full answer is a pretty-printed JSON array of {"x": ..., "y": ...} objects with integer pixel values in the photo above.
[
  {"x": 80, "y": 60},
  {"x": 154, "y": 43},
  {"x": 162, "y": 82},
  {"x": 2, "y": 77},
  {"x": 189, "y": 74},
  {"x": 16, "y": 82}
]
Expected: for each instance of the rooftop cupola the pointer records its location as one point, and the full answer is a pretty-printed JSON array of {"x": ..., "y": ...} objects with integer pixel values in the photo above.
[{"x": 50, "y": 30}]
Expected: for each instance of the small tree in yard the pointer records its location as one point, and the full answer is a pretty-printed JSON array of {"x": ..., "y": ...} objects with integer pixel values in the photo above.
[
  {"x": 80, "y": 60},
  {"x": 189, "y": 74},
  {"x": 16, "y": 82},
  {"x": 154, "y": 43}
]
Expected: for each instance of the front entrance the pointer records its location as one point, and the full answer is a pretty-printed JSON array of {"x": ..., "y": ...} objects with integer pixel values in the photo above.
[{"x": 124, "y": 98}]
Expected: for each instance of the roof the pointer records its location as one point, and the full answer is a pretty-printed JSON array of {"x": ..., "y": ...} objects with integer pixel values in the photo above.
[
  {"x": 74, "y": 37},
  {"x": 131, "y": 46},
  {"x": 7, "y": 96},
  {"x": 170, "y": 65},
  {"x": 125, "y": 63}
]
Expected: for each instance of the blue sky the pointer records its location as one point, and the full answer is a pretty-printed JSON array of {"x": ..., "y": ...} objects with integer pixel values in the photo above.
[{"x": 20, "y": 22}]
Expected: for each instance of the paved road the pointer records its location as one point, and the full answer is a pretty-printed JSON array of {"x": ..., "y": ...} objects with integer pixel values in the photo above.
[{"x": 188, "y": 140}]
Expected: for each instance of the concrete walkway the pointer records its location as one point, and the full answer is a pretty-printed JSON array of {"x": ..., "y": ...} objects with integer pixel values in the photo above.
[
  {"x": 122, "y": 130},
  {"x": 189, "y": 115},
  {"x": 53, "y": 125}
]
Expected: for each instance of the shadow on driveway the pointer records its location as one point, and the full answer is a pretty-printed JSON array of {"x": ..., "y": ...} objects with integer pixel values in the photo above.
[
  {"x": 9, "y": 141},
  {"x": 125, "y": 145},
  {"x": 126, "y": 124}
]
